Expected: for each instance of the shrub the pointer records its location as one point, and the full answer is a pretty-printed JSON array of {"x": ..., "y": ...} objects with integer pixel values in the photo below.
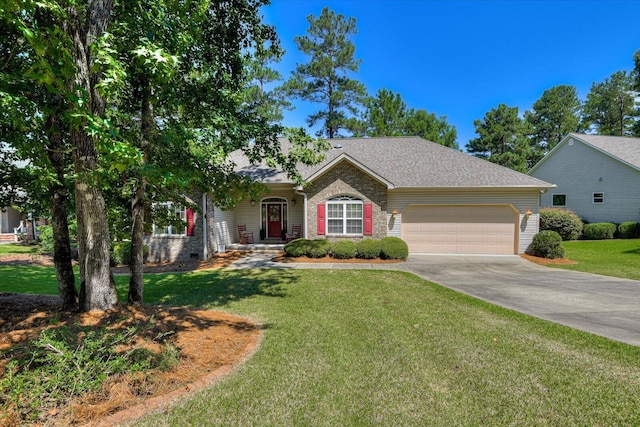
[
  {"x": 599, "y": 231},
  {"x": 318, "y": 248},
  {"x": 45, "y": 238},
  {"x": 296, "y": 247},
  {"x": 563, "y": 221},
  {"x": 546, "y": 244},
  {"x": 628, "y": 230},
  {"x": 393, "y": 248},
  {"x": 62, "y": 364},
  {"x": 343, "y": 249},
  {"x": 368, "y": 248},
  {"x": 121, "y": 253}
]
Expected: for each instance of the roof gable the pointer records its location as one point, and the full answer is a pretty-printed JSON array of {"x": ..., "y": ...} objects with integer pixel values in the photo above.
[
  {"x": 346, "y": 158},
  {"x": 623, "y": 149}
]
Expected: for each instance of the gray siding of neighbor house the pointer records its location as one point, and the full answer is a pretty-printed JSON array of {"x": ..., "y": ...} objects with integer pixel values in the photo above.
[
  {"x": 521, "y": 200},
  {"x": 577, "y": 171},
  {"x": 346, "y": 179}
]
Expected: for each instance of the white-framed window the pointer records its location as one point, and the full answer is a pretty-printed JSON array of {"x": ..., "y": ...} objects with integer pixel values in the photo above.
[
  {"x": 345, "y": 215},
  {"x": 173, "y": 212},
  {"x": 559, "y": 200},
  {"x": 598, "y": 198}
]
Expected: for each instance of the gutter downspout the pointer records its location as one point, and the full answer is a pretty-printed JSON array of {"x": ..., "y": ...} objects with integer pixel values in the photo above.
[
  {"x": 205, "y": 235},
  {"x": 298, "y": 190}
]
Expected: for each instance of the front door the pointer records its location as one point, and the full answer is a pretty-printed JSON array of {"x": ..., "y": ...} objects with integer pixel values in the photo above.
[{"x": 274, "y": 221}]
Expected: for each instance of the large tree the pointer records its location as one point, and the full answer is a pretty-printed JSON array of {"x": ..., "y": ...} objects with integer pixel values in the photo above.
[
  {"x": 325, "y": 78},
  {"x": 32, "y": 119},
  {"x": 610, "y": 107},
  {"x": 553, "y": 116},
  {"x": 386, "y": 114},
  {"x": 428, "y": 126},
  {"x": 502, "y": 139},
  {"x": 174, "y": 78}
]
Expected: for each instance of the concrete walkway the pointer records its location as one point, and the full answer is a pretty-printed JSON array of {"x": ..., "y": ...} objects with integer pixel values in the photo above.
[{"x": 605, "y": 306}]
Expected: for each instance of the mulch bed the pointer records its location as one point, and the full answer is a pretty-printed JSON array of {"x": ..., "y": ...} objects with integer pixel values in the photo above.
[
  {"x": 546, "y": 261},
  {"x": 210, "y": 343}
]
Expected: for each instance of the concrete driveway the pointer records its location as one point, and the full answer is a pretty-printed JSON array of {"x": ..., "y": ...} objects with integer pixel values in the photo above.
[{"x": 605, "y": 306}]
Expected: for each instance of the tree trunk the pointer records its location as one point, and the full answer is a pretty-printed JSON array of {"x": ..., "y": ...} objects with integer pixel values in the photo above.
[
  {"x": 138, "y": 201},
  {"x": 59, "y": 211},
  {"x": 98, "y": 290}
]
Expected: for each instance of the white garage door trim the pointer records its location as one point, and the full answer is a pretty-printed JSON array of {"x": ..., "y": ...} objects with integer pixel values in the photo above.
[{"x": 461, "y": 229}]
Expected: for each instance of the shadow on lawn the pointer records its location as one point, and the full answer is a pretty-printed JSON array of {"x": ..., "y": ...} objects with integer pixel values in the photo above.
[
  {"x": 215, "y": 288},
  {"x": 632, "y": 251}
]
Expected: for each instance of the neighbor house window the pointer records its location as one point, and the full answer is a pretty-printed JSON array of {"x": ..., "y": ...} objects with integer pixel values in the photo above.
[
  {"x": 173, "y": 212},
  {"x": 345, "y": 215},
  {"x": 559, "y": 200},
  {"x": 598, "y": 198}
]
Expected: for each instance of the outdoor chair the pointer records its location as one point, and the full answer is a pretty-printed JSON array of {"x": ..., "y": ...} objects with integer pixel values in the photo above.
[
  {"x": 246, "y": 237},
  {"x": 295, "y": 233}
]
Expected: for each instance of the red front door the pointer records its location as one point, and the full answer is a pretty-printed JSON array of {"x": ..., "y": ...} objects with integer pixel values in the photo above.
[{"x": 274, "y": 221}]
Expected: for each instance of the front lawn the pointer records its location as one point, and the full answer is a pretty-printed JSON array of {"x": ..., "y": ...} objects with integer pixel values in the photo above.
[
  {"x": 354, "y": 348},
  {"x": 618, "y": 258},
  {"x": 12, "y": 249}
]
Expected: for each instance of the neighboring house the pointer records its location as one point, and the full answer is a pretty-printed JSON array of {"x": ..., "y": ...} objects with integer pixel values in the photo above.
[
  {"x": 9, "y": 220},
  {"x": 596, "y": 176},
  {"x": 437, "y": 199}
]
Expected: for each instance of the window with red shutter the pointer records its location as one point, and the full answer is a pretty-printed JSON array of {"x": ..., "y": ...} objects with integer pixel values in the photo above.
[
  {"x": 321, "y": 219},
  {"x": 368, "y": 219},
  {"x": 190, "y": 222}
]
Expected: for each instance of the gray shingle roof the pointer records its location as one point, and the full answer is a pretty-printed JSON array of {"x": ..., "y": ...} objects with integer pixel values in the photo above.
[
  {"x": 407, "y": 162},
  {"x": 623, "y": 148}
]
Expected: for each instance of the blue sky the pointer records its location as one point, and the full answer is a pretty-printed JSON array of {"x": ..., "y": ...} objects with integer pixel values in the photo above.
[{"x": 461, "y": 58}]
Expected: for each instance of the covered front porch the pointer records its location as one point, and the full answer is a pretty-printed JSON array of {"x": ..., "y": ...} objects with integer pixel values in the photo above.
[{"x": 260, "y": 223}]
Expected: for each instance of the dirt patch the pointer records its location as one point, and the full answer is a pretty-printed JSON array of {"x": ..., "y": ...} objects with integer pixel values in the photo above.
[
  {"x": 327, "y": 259},
  {"x": 218, "y": 261},
  {"x": 26, "y": 259},
  {"x": 546, "y": 261}
]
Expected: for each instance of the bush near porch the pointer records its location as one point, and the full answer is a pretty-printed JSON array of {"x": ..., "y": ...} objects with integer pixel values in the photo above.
[{"x": 385, "y": 248}]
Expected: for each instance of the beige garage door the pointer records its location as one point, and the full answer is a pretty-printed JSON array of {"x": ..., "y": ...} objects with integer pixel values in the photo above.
[{"x": 460, "y": 229}]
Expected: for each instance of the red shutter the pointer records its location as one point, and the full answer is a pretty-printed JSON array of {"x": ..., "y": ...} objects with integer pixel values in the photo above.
[
  {"x": 190, "y": 222},
  {"x": 368, "y": 219},
  {"x": 321, "y": 220}
]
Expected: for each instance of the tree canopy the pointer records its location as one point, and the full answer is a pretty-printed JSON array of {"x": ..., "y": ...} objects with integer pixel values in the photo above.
[
  {"x": 552, "y": 117},
  {"x": 147, "y": 99},
  {"x": 502, "y": 139},
  {"x": 610, "y": 106},
  {"x": 386, "y": 114},
  {"x": 324, "y": 79}
]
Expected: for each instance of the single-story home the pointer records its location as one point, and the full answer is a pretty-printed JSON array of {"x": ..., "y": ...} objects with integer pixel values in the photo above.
[
  {"x": 437, "y": 199},
  {"x": 10, "y": 219},
  {"x": 596, "y": 176}
]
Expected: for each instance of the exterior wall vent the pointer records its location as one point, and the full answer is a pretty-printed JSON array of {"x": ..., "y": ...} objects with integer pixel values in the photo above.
[{"x": 570, "y": 142}]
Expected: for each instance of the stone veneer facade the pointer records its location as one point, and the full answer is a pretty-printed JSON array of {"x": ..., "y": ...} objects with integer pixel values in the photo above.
[
  {"x": 345, "y": 179},
  {"x": 163, "y": 248}
]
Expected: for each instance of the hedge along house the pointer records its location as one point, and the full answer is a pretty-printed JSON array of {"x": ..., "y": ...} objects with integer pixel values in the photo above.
[{"x": 437, "y": 199}]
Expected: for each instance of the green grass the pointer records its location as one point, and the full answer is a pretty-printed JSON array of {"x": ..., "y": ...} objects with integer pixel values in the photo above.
[
  {"x": 618, "y": 258},
  {"x": 357, "y": 348},
  {"x": 11, "y": 248}
]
